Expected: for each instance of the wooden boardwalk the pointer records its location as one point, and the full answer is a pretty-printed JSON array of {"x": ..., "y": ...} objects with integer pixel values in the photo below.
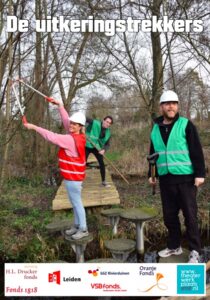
[{"x": 93, "y": 194}]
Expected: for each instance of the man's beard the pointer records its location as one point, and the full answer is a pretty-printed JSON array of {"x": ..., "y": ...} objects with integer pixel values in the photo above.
[{"x": 168, "y": 118}]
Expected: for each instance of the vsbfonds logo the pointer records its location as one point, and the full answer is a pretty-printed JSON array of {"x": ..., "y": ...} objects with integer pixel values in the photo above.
[
  {"x": 107, "y": 287},
  {"x": 113, "y": 287}
]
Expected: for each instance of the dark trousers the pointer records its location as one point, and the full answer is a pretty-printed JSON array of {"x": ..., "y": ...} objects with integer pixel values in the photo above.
[
  {"x": 176, "y": 197},
  {"x": 100, "y": 160}
]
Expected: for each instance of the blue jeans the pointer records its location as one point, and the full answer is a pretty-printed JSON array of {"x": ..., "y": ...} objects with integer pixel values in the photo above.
[{"x": 74, "y": 189}]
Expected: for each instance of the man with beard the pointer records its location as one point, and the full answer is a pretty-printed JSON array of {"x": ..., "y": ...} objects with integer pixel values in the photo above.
[{"x": 181, "y": 170}]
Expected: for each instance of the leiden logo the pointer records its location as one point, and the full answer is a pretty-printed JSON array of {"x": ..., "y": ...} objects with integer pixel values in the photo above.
[
  {"x": 93, "y": 272},
  {"x": 55, "y": 277}
]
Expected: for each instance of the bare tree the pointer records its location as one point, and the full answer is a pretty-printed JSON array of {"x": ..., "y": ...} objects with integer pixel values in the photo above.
[{"x": 8, "y": 109}]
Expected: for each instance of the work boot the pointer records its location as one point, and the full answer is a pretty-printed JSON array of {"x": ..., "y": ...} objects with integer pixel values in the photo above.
[
  {"x": 79, "y": 234},
  {"x": 194, "y": 257},
  {"x": 168, "y": 252}
]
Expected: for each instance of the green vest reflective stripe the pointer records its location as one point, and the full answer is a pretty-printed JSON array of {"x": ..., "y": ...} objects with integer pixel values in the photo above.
[
  {"x": 93, "y": 133},
  {"x": 174, "y": 157}
]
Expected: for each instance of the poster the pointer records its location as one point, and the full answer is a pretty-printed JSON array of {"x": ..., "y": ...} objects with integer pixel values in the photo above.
[{"x": 101, "y": 58}]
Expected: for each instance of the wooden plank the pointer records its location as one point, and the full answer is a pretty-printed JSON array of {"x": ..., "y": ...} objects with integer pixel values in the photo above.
[{"x": 93, "y": 194}]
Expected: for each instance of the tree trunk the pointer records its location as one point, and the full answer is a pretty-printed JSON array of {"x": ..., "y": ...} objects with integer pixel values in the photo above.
[
  {"x": 38, "y": 103},
  {"x": 157, "y": 84},
  {"x": 8, "y": 109}
]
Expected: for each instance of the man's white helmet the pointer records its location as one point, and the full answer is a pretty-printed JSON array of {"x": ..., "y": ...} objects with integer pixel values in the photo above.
[
  {"x": 169, "y": 96},
  {"x": 79, "y": 118}
]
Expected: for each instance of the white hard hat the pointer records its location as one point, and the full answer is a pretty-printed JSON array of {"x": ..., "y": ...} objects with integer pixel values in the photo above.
[
  {"x": 79, "y": 118},
  {"x": 169, "y": 96}
]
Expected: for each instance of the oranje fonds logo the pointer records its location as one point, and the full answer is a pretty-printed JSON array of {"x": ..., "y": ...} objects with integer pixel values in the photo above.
[{"x": 158, "y": 284}]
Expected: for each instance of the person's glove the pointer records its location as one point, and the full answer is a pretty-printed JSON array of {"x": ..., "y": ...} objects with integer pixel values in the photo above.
[{"x": 54, "y": 101}]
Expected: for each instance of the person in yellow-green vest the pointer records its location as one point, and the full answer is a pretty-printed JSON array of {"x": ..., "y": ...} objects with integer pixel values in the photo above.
[
  {"x": 180, "y": 168},
  {"x": 98, "y": 142}
]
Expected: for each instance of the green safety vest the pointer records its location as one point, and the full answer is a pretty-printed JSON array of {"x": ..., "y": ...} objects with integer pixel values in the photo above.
[
  {"x": 93, "y": 133},
  {"x": 174, "y": 157}
]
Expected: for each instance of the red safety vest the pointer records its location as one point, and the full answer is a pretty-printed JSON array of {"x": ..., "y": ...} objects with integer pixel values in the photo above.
[{"x": 73, "y": 168}]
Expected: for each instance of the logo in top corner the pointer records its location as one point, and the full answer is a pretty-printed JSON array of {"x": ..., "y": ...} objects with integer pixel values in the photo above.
[{"x": 55, "y": 277}]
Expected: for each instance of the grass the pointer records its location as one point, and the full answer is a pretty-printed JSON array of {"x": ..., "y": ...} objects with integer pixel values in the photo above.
[
  {"x": 26, "y": 208},
  {"x": 114, "y": 155}
]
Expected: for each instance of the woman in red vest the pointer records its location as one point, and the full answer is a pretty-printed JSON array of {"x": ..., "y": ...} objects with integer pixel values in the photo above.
[{"x": 72, "y": 163}]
